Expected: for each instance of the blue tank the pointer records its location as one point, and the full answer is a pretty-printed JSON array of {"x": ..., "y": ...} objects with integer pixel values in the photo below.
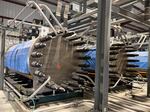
[
  {"x": 143, "y": 59},
  {"x": 92, "y": 61},
  {"x": 16, "y": 58}
]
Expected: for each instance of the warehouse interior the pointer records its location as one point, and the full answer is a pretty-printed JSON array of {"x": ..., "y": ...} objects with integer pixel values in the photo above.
[{"x": 74, "y": 55}]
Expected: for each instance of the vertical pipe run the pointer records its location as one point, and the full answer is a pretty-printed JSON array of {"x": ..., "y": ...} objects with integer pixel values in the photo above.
[
  {"x": 148, "y": 74},
  {"x": 2, "y": 51},
  {"x": 102, "y": 56}
]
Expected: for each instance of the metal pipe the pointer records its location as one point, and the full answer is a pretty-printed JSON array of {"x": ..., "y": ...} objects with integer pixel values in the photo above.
[
  {"x": 142, "y": 41},
  {"x": 30, "y": 97},
  {"x": 40, "y": 10},
  {"x": 18, "y": 15},
  {"x": 8, "y": 84},
  {"x": 51, "y": 13},
  {"x": 116, "y": 82},
  {"x": 85, "y": 77},
  {"x": 26, "y": 17},
  {"x": 23, "y": 20},
  {"x": 26, "y": 23}
]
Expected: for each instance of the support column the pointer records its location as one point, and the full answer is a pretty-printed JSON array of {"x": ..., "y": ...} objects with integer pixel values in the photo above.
[
  {"x": 102, "y": 56},
  {"x": 148, "y": 74},
  {"x": 2, "y": 52}
]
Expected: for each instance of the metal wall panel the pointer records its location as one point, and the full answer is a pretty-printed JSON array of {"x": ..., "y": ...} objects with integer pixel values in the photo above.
[{"x": 11, "y": 10}]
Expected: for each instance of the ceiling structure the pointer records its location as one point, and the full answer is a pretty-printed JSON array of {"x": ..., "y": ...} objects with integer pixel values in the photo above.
[
  {"x": 129, "y": 8},
  {"x": 134, "y": 6}
]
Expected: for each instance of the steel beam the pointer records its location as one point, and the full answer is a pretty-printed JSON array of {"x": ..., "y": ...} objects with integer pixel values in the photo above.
[
  {"x": 130, "y": 16},
  {"x": 118, "y": 11},
  {"x": 102, "y": 56},
  {"x": 83, "y": 16},
  {"x": 2, "y": 52},
  {"x": 148, "y": 75}
]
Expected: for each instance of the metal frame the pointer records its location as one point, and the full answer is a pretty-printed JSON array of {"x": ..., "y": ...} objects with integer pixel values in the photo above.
[
  {"x": 102, "y": 56},
  {"x": 127, "y": 15},
  {"x": 148, "y": 75},
  {"x": 2, "y": 51}
]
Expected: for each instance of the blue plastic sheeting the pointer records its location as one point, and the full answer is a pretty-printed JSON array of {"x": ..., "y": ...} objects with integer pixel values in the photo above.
[
  {"x": 16, "y": 58},
  {"x": 92, "y": 61},
  {"x": 143, "y": 59}
]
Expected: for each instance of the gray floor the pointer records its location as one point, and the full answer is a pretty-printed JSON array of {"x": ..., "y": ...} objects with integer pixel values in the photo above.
[
  {"x": 118, "y": 102},
  {"x": 5, "y": 105}
]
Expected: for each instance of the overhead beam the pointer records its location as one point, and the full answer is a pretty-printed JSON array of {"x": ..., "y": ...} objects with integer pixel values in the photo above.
[
  {"x": 46, "y": 1},
  {"x": 15, "y": 2},
  {"x": 137, "y": 27},
  {"x": 50, "y": 2},
  {"x": 130, "y": 16},
  {"x": 131, "y": 28},
  {"x": 118, "y": 11}
]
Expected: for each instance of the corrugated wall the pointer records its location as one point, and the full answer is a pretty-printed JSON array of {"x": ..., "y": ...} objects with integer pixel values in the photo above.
[{"x": 8, "y": 9}]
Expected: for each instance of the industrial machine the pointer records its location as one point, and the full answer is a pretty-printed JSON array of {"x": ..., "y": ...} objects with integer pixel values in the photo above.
[
  {"x": 41, "y": 69},
  {"x": 59, "y": 64}
]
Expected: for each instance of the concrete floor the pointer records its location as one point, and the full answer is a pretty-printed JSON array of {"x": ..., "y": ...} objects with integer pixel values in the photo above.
[
  {"x": 118, "y": 102},
  {"x": 5, "y": 105}
]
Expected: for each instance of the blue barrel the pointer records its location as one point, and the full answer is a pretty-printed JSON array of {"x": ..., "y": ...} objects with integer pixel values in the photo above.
[{"x": 17, "y": 57}]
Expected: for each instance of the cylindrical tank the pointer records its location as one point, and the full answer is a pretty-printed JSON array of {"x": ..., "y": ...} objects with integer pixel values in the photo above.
[
  {"x": 122, "y": 60},
  {"x": 17, "y": 57},
  {"x": 50, "y": 55},
  {"x": 143, "y": 59}
]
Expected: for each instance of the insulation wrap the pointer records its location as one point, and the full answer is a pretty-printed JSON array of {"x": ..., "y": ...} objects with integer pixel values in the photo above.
[{"x": 16, "y": 58}]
